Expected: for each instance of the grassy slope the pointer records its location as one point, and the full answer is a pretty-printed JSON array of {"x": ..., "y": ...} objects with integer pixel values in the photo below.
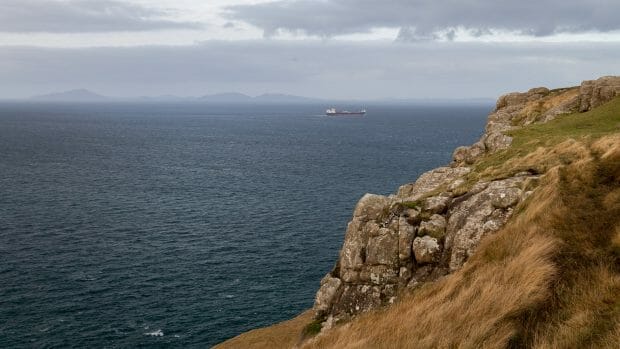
[
  {"x": 549, "y": 279},
  {"x": 283, "y": 335}
]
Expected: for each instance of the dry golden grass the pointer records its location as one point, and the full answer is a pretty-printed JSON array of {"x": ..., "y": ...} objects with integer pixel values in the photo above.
[
  {"x": 283, "y": 335},
  {"x": 534, "y": 109}
]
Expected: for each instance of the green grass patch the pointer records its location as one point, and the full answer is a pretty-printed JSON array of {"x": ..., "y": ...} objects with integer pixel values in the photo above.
[
  {"x": 312, "y": 329},
  {"x": 593, "y": 124},
  {"x": 412, "y": 204}
]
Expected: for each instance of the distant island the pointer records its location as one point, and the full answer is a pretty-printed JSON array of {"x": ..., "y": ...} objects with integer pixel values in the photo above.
[
  {"x": 82, "y": 95},
  {"x": 78, "y": 95}
]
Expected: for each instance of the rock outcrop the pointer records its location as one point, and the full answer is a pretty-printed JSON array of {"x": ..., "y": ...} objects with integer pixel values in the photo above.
[
  {"x": 537, "y": 105},
  {"x": 431, "y": 227},
  {"x": 594, "y": 93},
  {"x": 395, "y": 242}
]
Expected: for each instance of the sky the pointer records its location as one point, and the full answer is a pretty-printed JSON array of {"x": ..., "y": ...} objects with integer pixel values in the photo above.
[{"x": 335, "y": 49}]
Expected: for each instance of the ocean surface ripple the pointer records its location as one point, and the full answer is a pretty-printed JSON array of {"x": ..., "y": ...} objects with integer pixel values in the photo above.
[{"x": 131, "y": 225}]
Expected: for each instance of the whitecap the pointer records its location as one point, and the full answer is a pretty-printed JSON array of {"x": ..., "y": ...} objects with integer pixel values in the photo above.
[{"x": 158, "y": 333}]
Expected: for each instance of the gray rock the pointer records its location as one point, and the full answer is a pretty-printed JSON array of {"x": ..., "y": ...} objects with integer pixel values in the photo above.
[
  {"x": 478, "y": 187},
  {"x": 357, "y": 299},
  {"x": 537, "y": 93},
  {"x": 326, "y": 295},
  {"x": 495, "y": 141},
  {"x": 411, "y": 213},
  {"x": 594, "y": 93},
  {"x": 371, "y": 207},
  {"x": 456, "y": 184},
  {"x": 469, "y": 155},
  {"x": 404, "y": 274},
  {"x": 505, "y": 198},
  {"x": 381, "y": 274},
  {"x": 479, "y": 215},
  {"x": 436, "y": 204},
  {"x": 406, "y": 234},
  {"x": 435, "y": 227},
  {"x": 426, "y": 250},
  {"x": 353, "y": 252},
  {"x": 383, "y": 249},
  {"x": 430, "y": 181},
  {"x": 422, "y": 274},
  {"x": 511, "y": 99},
  {"x": 568, "y": 107},
  {"x": 349, "y": 275}
]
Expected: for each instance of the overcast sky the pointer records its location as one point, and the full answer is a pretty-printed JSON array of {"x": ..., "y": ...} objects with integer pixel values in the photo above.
[{"x": 319, "y": 48}]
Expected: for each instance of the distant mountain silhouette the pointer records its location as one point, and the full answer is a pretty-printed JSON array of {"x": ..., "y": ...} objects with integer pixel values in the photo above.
[
  {"x": 264, "y": 98},
  {"x": 226, "y": 97},
  {"x": 84, "y": 95},
  {"x": 278, "y": 97},
  {"x": 79, "y": 95},
  {"x": 163, "y": 98}
]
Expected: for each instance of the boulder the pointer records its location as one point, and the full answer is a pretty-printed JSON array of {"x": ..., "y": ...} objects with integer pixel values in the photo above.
[
  {"x": 421, "y": 275},
  {"x": 594, "y": 93},
  {"x": 380, "y": 274},
  {"x": 456, "y": 184},
  {"x": 404, "y": 274},
  {"x": 353, "y": 252},
  {"x": 371, "y": 207},
  {"x": 497, "y": 141},
  {"x": 511, "y": 99},
  {"x": 505, "y": 198},
  {"x": 406, "y": 234},
  {"x": 357, "y": 299},
  {"x": 383, "y": 249},
  {"x": 436, "y": 204},
  {"x": 537, "y": 93},
  {"x": 479, "y": 215},
  {"x": 326, "y": 295},
  {"x": 435, "y": 227},
  {"x": 426, "y": 250},
  {"x": 430, "y": 181},
  {"x": 349, "y": 275},
  {"x": 569, "y": 106},
  {"x": 474, "y": 152}
]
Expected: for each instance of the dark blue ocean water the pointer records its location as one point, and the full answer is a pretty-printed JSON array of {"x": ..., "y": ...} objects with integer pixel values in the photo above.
[{"x": 121, "y": 223}]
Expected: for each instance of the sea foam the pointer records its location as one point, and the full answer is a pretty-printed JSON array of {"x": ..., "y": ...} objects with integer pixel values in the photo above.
[{"x": 158, "y": 333}]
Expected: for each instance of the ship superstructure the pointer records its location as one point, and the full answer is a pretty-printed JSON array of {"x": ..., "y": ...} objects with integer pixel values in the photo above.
[{"x": 336, "y": 112}]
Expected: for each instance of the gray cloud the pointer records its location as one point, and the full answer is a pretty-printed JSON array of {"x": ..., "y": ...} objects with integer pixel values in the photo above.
[
  {"x": 82, "y": 16},
  {"x": 349, "y": 70},
  {"x": 422, "y": 19}
]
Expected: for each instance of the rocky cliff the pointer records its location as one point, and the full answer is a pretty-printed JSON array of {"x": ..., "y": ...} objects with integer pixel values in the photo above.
[{"x": 430, "y": 228}]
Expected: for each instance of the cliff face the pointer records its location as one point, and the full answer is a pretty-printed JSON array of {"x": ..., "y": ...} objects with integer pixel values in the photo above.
[{"x": 431, "y": 227}]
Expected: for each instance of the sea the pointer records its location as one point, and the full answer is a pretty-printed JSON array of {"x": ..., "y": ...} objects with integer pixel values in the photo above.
[{"x": 159, "y": 225}]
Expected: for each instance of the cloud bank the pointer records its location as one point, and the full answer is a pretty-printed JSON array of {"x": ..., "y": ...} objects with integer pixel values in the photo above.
[
  {"x": 78, "y": 16},
  {"x": 423, "y": 19},
  {"x": 350, "y": 70}
]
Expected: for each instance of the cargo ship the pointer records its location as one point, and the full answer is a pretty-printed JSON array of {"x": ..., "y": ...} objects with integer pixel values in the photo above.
[{"x": 335, "y": 112}]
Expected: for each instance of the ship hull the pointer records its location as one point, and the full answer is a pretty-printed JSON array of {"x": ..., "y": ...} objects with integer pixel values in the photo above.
[{"x": 345, "y": 114}]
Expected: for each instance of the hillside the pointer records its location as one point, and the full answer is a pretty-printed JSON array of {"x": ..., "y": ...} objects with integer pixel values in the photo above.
[
  {"x": 80, "y": 95},
  {"x": 515, "y": 244}
]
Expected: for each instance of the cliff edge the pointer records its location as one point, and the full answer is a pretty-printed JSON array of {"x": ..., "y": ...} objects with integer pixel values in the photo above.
[{"x": 515, "y": 244}]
